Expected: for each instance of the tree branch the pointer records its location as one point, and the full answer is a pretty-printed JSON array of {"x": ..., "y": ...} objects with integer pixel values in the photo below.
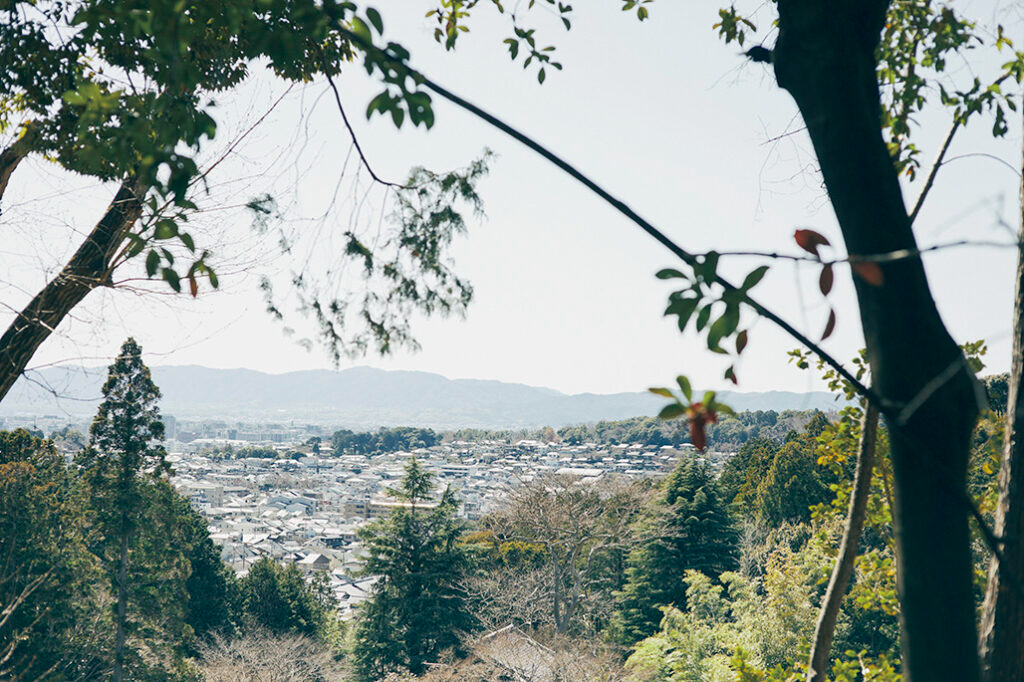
[
  {"x": 843, "y": 569},
  {"x": 934, "y": 171},
  {"x": 355, "y": 140},
  {"x": 89, "y": 267},
  {"x": 12, "y": 156}
]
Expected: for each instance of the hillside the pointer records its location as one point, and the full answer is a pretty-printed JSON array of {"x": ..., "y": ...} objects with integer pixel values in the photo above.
[{"x": 361, "y": 397}]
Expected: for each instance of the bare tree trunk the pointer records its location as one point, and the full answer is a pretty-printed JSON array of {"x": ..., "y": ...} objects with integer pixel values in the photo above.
[
  {"x": 1002, "y": 625},
  {"x": 825, "y": 58},
  {"x": 841, "y": 572},
  {"x": 88, "y": 268},
  {"x": 122, "y": 603}
]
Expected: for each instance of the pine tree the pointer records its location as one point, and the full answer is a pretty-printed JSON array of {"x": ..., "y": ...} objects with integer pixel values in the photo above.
[
  {"x": 417, "y": 610},
  {"x": 132, "y": 503},
  {"x": 697, "y": 533}
]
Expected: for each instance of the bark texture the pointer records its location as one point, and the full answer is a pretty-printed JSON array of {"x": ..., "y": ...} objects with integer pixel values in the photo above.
[
  {"x": 841, "y": 572},
  {"x": 122, "y": 608},
  {"x": 825, "y": 58},
  {"x": 1002, "y": 625},
  {"x": 89, "y": 268}
]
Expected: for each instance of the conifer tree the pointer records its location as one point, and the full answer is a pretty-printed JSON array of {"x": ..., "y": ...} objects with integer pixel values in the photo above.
[
  {"x": 417, "y": 610},
  {"x": 125, "y": 466},
  {"x": 698, "y": 534}
]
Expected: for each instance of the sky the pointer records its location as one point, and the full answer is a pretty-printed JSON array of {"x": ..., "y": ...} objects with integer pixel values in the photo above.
[{"x": 681, "y": 127}]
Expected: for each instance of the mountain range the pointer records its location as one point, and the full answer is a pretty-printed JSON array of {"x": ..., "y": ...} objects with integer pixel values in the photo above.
[{"x": 361, "y": 397}]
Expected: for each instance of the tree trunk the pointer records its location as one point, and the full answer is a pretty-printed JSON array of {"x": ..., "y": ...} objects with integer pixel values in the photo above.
[
  {"x": 1002, "y": 625},
  {"x": 11, "y": 157},
  {"x": 122, "y": 604},
  {"x": 88, "y": 268},
  {"x": 840, "y": 580},
  {"x": 824, "y": 57}
]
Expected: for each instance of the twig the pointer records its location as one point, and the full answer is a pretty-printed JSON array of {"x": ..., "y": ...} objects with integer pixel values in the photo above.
[
  {"x": 888, "y": 257},
  {"x": 355, "y": 140},
  {"x": 935, "y": 169}
]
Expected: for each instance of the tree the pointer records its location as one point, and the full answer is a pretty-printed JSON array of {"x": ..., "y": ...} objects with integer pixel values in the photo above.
[
  {"x": 126, "y": 470},
  {"x": 278, "y": 599},
  {"x": 583, "y": 528},
  {"x": 698, "y": 533},
  {"x": 47, "y": 575},
  {"x": 125, "y": 96},
  {"x": 417, "y": 609},
  {"x": 211, "y": 585}
]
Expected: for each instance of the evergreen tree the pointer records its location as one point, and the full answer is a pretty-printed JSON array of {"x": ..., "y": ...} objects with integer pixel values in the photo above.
[
  {"x": 211, "y": 585},
  {"x": 278, "y": 598},
  {"x": 132, "y": 506},
  {"x": 417, "y": 610},
  {"x": 793, "y": 484},
  {"x": 46, "y": 572},
  {"x": 696, "y": 533}
]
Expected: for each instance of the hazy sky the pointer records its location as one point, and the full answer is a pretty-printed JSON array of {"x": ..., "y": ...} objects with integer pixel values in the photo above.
[{"x": 681, "y": 127}]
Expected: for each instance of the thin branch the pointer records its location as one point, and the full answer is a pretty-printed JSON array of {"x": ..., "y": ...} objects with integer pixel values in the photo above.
[
  {"x": 993, "y": 157},
  {"x": 889, "y": 257},
  {"x": 355, "y": 140},
  {"x": 935, "y": 169}
]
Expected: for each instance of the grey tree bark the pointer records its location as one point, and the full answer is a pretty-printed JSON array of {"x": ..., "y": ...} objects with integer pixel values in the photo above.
[{"x": 1002, "y": 624}]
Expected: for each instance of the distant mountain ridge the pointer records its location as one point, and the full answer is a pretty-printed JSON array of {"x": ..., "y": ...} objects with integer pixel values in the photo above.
[{"x": 362, "y": 397}]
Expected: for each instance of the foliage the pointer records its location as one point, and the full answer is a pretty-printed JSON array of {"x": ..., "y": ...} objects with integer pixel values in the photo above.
[
  {"x": 211, "y": 585},
  {"x": 47, "y": 575},
  {"x": 278, "y": 599},
  {"x": 137, "y": 537},
  {"x": 696, "y": 532},
  {"x": 383, "y": 440},
  {"x": 417, "y": 608}
]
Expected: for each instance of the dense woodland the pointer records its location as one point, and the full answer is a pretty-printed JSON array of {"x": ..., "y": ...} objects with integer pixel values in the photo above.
[{"x": 700, "y": 575}]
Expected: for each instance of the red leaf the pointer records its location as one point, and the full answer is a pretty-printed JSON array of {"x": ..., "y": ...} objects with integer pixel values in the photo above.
[
  {"x": 830, "y": 326},
  {"x": 741, "y": 342},
  {"x": 193, "y": 286},
  {"x": 809, "y": 241},
  {"x": 870, "y": 272},
  {"x": 730, "y": 374},
  {"x": 825, "y": 279}
]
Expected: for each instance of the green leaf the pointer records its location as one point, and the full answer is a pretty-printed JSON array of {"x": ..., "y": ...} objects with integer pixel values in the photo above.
[
  {"x": 662, "y": 391},
  {"x": 668, "y": 273},
  {"x": 709, "y": 398},
  {"x": 672, "y": 411},
  {"x": 172, "y": 278},
  {"x": 361, "y": 30},
  {"x": 374, "y": 17},
  {"x": 703, "y": 316},
  {"x": 152, "y": 262},
  {"x": 683, "y": 307},
  {"x": 684, "y": 386},
  {"x": 755, "y": 276},
  {"x": 710, "y": 266},
  {"x": 165, "y": 229}
]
